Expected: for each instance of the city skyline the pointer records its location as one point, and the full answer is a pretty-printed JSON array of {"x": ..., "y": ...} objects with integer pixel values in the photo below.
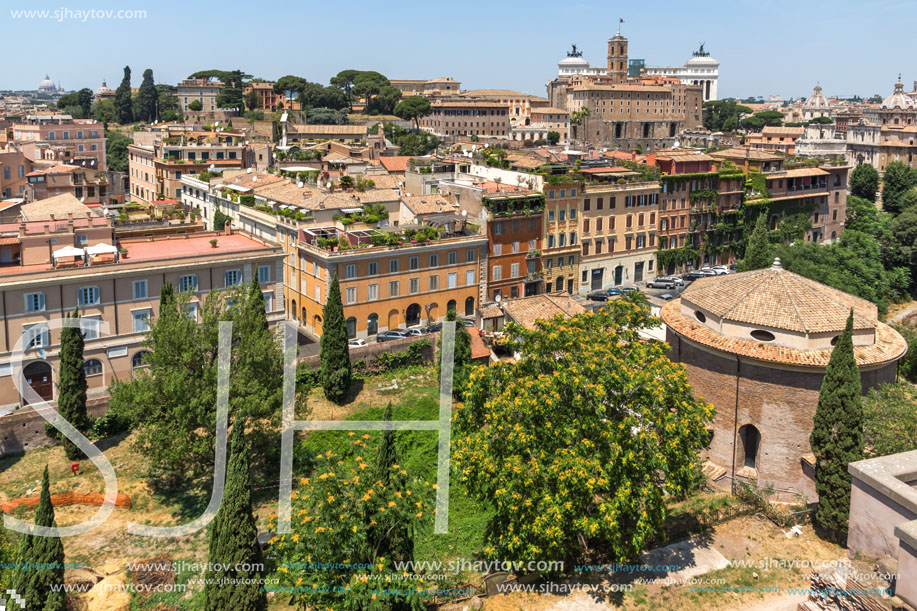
[{"x": 516, "y": 53}]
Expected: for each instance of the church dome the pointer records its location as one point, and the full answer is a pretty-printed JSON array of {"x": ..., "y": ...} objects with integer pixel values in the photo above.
[
  {"x": 775, "y": 315},
  {"x": 104, "y": 89},
  {"x": 47, "y": 83},
  {"x": 816, "y": 100},
  {"x": 898, "y": 99}
]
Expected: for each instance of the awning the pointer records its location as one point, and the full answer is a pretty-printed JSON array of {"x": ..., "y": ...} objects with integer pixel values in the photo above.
[
  {"x": 68, "y": 251},
  {"x": 101, "y": 249},
  {"x": 9, "y": 241}
]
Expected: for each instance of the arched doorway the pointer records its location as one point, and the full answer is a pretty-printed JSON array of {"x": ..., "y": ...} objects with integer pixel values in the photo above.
[
  {"x": 412, "y": 315},
  {"x": 38, "y": 376},
  {"x": 317, "y": 325},
  {"x": 451, "y": 306},
  {"x": 351, "y": 327},
  {"x": 751, "y": 440},
  {"x": 469, "y": 306},
  {"x": 372, "y": 324},
  {"x": 304, "y": 316},
  {"x": 293, "y": 308},
  {"x": 393, "y": 319}
]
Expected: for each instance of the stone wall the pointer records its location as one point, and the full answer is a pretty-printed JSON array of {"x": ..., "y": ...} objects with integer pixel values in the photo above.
[{"x": 25, "y": 430}]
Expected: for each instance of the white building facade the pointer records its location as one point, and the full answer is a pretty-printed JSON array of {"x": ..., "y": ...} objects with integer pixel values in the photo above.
[{"x": 701, "y": 70}]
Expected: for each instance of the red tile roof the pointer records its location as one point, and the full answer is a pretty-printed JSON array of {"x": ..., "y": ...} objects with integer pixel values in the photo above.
[{"x": 397, "y": 163}]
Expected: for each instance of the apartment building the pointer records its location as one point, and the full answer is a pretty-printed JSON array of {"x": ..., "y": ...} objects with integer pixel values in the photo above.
[
  {"x": 468, "y": 118},
  {"x": 61, "y": 138},
  {"x": 619, "y": 225},
  {"x": 431, "y": 88},
  {"x": 204, "y": 91},
  {"x": 560, "y": 256},
  {"x": 92, "y": 187},
  {"x": 156, "y": 169},
  {"x": 515, "y": 226},
  {"x": 71, "y": 259},
  {"x": 779, "y": 139},
  {"x": 14, "y": 166},
  {"x": 268, "y": 98}
]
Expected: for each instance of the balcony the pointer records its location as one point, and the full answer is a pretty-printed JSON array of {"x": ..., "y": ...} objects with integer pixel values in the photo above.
[{"x": 533, "y": 254}]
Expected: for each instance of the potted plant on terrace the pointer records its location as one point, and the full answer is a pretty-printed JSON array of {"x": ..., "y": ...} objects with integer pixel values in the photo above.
[{"x": 213, "y": 243}]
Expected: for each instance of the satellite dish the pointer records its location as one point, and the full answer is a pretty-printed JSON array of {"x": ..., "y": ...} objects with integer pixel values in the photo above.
[
  {"x": 328, "y": 184},
  {"x": 498, "y": 298},
  {"x": 464, "y": 213},
  {"x": 248, "y": 171},
  {"x": 299, "y": 184}
]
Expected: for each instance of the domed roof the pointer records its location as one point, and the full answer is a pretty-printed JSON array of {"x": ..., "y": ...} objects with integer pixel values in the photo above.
[
  {"x": 898, "y": 99},
  {"x": 573, "y": 62},
  {"x": 775, "y": 315},
  {"x": 103, "y": 89},
  {"x": 816, "y": 100},
  {"x": 47, "y": 82},
  {"x": 702, "y": 60}
]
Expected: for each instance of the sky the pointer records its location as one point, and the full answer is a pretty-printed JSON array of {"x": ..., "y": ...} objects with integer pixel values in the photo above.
[{"x": 782, "y": 47}]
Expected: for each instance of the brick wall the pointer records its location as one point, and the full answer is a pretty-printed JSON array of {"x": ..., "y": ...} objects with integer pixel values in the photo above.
[{"x": 26, "y": 430}]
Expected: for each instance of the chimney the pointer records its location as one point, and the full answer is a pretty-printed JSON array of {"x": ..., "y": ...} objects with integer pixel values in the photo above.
[
  {"x": 227, "y": 228},
  {"x": 51, "y": 214},
  {"x": 46, "y": 230},
  {"x": 69, "y": 217}
]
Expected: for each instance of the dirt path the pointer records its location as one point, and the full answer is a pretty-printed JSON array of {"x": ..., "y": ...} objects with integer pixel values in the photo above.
[{"x": 906, "y": 312}]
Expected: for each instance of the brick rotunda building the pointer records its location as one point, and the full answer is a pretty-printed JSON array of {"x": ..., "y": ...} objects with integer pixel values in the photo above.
[{"x": 756, "y": 345}]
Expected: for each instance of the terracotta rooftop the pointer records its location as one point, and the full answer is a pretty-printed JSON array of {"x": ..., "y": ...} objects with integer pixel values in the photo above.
[
  {"x": 800, "y": 172},
  {"x": 750, "y": 154},
  {"x": 526, "y": 310},
  {"x": 781, "y": 131},
  {"x": 249, "y": 181},
  {"x": 479, "y": 349},
  {"x": 59, "y": 206},
  {"x": 353, "y": 130},
  {"x": 428, "y": 204},
  {"x": 397, "y": 163},
  {"x": 779, "y": 299}
]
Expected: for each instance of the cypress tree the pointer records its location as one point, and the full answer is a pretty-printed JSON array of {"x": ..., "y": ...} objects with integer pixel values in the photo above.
[
  {"x": 254, "y": 306},
  {"x": 393, "y": 540},
  {"x": 71, "y": 400},
  {"x": 757, "y": 255},
  {"x": 837, "y": 437},
  {"x": 461, "y": 360},
  {"x": 334, "y": 352},
  {"x": 148, "y": 98},
  {"x": 234, "y": 539},
  {"x": 166, "y": 297},
  {"x": 124, "y": 110},
  {"x": 34, "y": 585}
]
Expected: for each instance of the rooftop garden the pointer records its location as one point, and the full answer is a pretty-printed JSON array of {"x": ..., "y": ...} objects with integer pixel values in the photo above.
[
  {"x": 516, "y": 205},
  {"x": 371, "y": 214}
]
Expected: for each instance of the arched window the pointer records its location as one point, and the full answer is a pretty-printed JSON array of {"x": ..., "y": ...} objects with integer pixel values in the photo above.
[
  {"x": 293, "y": 308},
  {"x": 469, "y": 306},
  {"x": 351, "y": 327},
  {"x": 93, "y": 367},
  {"x": 412, "y": 315},
  {"x": 452, "y": 305},
  {"x": 140, "y": 359},
  {"x": 751, "y": 439},
  {"x": 372, "y": 324}
]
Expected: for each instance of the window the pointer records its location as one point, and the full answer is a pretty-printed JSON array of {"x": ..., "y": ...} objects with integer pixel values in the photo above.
[
  {"x": 232, "y": 277},
  {"x": 318, "y": 293},
  {"x": 572, "y": 238},
  {"x": 434, "y": 260},
  {"x": 600, "y": 203},
  {"x": 139, "y": 289},
  {"x": 350, "y": 294},
  {"x": 453, "y": 257},
  {"x": 35, "y": 302},
  {"x": 373, "y": 268},
  {"x": 140, "y": 359},
  {"x": 498, "y": 228},
  {"x": 498, "y": 272},
  {"x": 498, "y": 249},
  {"x": 81, "y": 239},
  {"x": 434, "y": 283},
  {"x": 372, "y": 292},
  {"x": 392, "y": 266},
  {"x": 469, "y": 277},
  {"x": 36, "y": 336},
  {"x": 141, "y": 320},
  {"x": 316, "y": 270},
  {"x": 372, "y": 325},
  {"x": 469, "y": 255},
  {"x": 350, "y": 270},
  {"x": 572, "y": 214},
  {"x": 453, "y": 280},
  {"x": 88, "y": 295},
  {"x": 89, "y": 325},
  {"x": 562, "y": 215},
  {"x": 191, "y": 309},
  {"x": 264, "y": 273},
  {"x": 586, "y": 205},
  {"x": 393, "y": 288},
  {"x": 187, "y": 283},
  {"x": 414, "y": 263},
  {"x": 92, "y": 367},
  {"x": 550, "y": 216},
  {"x": 514, "y": 270},
  {"x": 414, "y": 285}
]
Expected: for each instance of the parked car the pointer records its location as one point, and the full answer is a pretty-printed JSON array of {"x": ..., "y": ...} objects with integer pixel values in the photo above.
[
  {"x": 667, "y": 296},
  {"x": 354, "y": 343},
  {"x": 415, "y": 332},
  {"x": 598, "y": 296},
  {"x": 708, "y": 271},
  {"x": 678, "y": 281},
  {"x": 469, "y": 322},
  {"x": 695, "y": 275},
  {"x": 720, "y": 270},
  {"x": 390, "y": 335},
  {"x": 613, "y": 292},
  {"x": 627, "y": 290},
  {"x": 661, "y": 282},
  {"x": 434, "y": 328}
]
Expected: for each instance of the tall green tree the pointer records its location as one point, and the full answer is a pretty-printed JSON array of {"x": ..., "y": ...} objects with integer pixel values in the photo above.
[
  {"x": 71, "y": 401},
  {"x": 461, "y": 363},
  {"x": 414, "y": 108},
  {"x": 575, "y": 454},
  {"x": 148, "y": 102},
  {"x": 234, "y": 539},
  {"x": 864, "y": 182},
  {"x": 289, "y": 85},
  {"x": 395, "y": 537},
  {"x": 890, "y": 419},
  {"x": 124, "y": 110},
  {"x": 116, "y": 145},
  {"x": 219, "y": 220},
  {"x": 36, "y": 585},
  {"x": 344, "y": 81},
  {"x": 84, "y": 97},
  {"x": 104, "y": 111},
  {"x": 837, "y": 437},
  {"x": 334, "y": 353},
  {"x": 252, "y": 100},
  {"x": 758, "y": 253},
  {"x": 899, "y": 178}
]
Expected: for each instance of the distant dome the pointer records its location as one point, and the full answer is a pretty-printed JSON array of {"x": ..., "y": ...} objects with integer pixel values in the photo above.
[
  {"x": 898, "y": 99},
  {"x": 103, "y": 89},
  {"x": 47, "y": 82},
  {"x": 702, "y": 60},
  {"x": 573, "y": 63},
  {"x": 817, "y": 100}
]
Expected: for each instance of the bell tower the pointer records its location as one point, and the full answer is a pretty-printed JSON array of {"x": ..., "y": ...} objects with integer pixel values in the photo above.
[{"x": 617, "y": 58}]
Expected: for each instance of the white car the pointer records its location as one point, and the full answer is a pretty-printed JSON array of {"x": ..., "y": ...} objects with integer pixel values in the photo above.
[
  {"x": 355, "y": 343},
  {"x": 414, "y": 332},
  {"x": 720, "y": 270},
  {"x": 676, "y": 280}
]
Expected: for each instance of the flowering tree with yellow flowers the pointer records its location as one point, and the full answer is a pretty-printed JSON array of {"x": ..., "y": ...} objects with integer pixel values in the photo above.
[
  {"x": 577, "y": 445},
  {"x": 342, "y": 519}
]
